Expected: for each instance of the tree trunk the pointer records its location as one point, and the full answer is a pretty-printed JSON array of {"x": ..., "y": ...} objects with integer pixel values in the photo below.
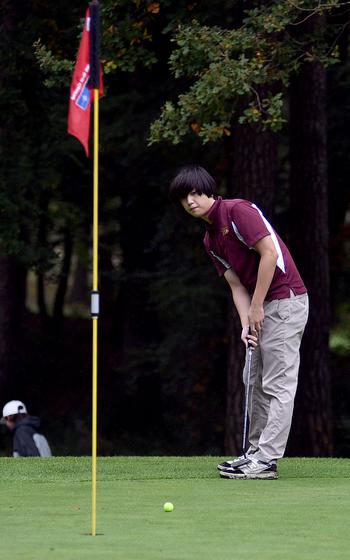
[
  {"x": 254, "y": 165},
  {"x": 12, "y": 302},
  {"x": 80, "y": 290},
  {"x": 311, "y": 431},
  {"x": 63, "y": 280},
  {"x": 42, "y": 240},
  {"x": 41, "y": 298}
]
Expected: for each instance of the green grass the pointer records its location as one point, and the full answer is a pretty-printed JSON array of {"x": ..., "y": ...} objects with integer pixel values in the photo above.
[{"x": 45, "y": 510}]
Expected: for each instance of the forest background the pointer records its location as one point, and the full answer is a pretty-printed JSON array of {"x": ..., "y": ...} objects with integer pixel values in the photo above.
[{"x": 258, "y": 93}]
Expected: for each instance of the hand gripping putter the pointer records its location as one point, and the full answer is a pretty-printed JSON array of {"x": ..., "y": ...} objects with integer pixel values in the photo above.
[{"x": 246, "y": 400}]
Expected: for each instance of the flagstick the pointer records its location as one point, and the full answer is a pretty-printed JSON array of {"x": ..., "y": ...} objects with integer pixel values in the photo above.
[
  {"x": 95, "y": 316},
  {"x": 87, "y": 74}
]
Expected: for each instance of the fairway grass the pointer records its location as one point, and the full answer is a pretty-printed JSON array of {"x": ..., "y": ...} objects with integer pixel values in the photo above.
[{"x": 45, "y": 510}]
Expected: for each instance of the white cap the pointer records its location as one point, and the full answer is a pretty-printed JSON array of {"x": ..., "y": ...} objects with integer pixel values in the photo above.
[{"x": 14, "y": 407}]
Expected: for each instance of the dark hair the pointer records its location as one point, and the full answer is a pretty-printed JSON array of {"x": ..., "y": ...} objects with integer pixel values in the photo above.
[{"x": 192, "y": 178}]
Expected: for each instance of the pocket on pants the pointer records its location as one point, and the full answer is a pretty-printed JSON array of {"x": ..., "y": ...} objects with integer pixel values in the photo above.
[{"x": 284, "y": 309}]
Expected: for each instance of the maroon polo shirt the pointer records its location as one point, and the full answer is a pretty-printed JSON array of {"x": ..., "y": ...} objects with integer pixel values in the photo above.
[{"x": 236, "y": 226}]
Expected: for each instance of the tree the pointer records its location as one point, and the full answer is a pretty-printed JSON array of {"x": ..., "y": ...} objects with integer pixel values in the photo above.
[
  {"x": 15, "y": 185},
  {"x": 32, "y": 158},
  {"x": 252, "y": 175},
  {"x": 241, "y": 75},
  {"x": 310, "y": 241},
  {"x": 224, "y": 68},
  {"x": 163, "y": 349}
]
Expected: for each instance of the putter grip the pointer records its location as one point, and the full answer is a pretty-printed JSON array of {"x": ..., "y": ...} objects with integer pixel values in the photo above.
[{"x": 249, "y": 343}]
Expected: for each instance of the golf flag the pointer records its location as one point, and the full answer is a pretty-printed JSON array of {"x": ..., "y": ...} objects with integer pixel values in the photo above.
[
  {"x": 86, "y": 89},
  {"x": 80, "y": 90}
]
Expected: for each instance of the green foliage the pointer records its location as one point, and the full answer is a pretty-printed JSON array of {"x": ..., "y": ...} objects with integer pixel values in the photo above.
[
  {"x": 38, "y": 200},
  {"x": 340, "y": 343},
  {"x": 61, "y": 69},
  {"x": 340, "y": 335},
  {"x": 271, "y": 107},
  {"x": 172, "y": 326},
  {"x": 239, "y": 72},
  {"x": 130, "y": 32}
]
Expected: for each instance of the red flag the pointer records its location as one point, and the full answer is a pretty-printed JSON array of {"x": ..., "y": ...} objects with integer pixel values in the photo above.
[{"x": 80, "y": 93}]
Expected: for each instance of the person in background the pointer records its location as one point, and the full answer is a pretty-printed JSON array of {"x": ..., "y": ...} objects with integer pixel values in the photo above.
[{"x": 27, "y": 440}]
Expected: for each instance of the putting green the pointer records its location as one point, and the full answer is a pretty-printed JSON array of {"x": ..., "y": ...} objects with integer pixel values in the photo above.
[{"x": 45, "y": 510}]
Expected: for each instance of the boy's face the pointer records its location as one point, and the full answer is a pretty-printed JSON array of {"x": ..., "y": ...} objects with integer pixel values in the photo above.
[
  {"x": 9, "y": 423},
  {"x": 197, "y": 204}
]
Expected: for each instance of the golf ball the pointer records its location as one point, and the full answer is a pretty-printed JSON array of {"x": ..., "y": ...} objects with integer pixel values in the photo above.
[{"x": 168, "y": 506}]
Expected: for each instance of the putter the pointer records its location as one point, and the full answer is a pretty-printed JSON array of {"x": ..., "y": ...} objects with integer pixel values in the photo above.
[
  {"x": 240, "y": 461},
  {"x": 246, "y": 403}
]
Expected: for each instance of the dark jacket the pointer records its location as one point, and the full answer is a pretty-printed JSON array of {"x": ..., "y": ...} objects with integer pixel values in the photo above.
[{"x": 27, "y": 441}]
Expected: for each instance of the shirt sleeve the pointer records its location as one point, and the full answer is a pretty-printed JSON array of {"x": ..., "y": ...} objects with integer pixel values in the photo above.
[
  {"x": 220, "y": 264},
  {"x": 249, "y": 223}
]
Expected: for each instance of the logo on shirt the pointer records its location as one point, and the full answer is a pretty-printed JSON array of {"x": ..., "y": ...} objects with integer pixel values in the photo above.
[{"x": 225, "y": 230}]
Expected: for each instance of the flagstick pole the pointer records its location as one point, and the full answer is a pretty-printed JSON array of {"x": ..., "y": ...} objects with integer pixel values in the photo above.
[
  {"x": 95, "y": 317},
  {"x": 87, "y": 74}
]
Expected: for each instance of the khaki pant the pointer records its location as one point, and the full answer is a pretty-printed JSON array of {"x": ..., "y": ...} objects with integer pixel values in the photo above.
[{"x": 274, "y": 376}]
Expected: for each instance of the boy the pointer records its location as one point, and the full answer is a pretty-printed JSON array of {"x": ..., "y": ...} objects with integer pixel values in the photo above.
[
  {"x": 271, "y": 300},
  {"x": 27, "y": 442}
]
